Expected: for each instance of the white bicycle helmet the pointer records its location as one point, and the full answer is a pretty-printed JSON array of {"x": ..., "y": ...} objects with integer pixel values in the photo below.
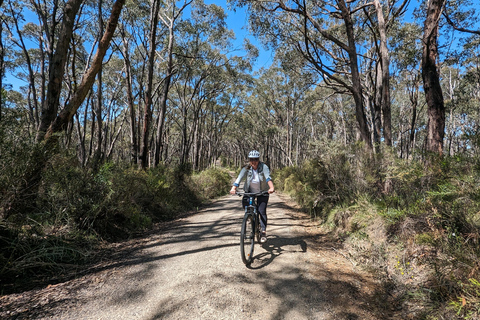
[{"x": 254, "y": 154}]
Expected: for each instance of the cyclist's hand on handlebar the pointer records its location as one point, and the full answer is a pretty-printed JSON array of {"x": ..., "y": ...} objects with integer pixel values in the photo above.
[
  {"x": 233, "y": 191},
  {"x": 271, "y": 190}
]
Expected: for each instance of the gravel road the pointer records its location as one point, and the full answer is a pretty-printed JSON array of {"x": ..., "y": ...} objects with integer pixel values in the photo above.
[{"x": 193, "y": 270}]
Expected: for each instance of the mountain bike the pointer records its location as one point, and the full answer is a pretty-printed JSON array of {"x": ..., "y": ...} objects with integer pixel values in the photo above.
[{"x": 251, "y": 228}]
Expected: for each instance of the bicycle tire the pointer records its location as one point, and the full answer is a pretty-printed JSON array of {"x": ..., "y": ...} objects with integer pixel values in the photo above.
[
  {"x": 247, "y": 239},
  {"x": 258, "y": 228}
]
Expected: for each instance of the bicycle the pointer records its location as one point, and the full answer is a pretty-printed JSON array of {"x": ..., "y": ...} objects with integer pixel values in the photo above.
[{"x": 251, "y": 228}]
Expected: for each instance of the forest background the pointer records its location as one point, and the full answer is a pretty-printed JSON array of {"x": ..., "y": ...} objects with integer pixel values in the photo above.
[{"x": 130, "y": 112}]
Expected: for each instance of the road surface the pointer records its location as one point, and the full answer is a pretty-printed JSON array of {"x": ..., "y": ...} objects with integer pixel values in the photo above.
[{"x": 192, "y": 269}]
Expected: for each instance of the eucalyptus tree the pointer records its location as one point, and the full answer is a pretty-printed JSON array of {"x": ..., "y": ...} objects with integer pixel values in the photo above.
[
  {"x": 132, "y": 49},
  {"x": 204, "y": 72},
  {"x": 19, "y": 33},
  {"x": 60, "y": 121},
  {"x": 431, "y": 78},
  {"x": 460, "y": 20},
  {"x": 468, "y": 98},
  {"x": 148, "y": 94},
  {"x": 64, "y": 117},
  {"x": 381, "y": 19},
  {"x": 56, "y": 61},
  {"x": 169, "y": 17},
  {"x": 325, "y": 34},
  {"x": 99, "y": 154},
  {"x": 272, "y": 118},
  {"x": 461, "y": 85},
  {"x": 450, "y": 83},
  {"x": 220, "y": 127},
  {"x": 199, "y": 83}
]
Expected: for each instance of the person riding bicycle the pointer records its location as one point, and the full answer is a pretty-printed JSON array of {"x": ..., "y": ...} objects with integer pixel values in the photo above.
[{"x": 258, "y": 180}]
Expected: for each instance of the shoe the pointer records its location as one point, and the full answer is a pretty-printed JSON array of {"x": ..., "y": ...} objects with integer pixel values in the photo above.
[{"x": 263, "y": 237}]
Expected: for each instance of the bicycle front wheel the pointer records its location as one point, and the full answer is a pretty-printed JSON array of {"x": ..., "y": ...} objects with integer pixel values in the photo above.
[
  {"x": 247, "y": 238},
  {"x": 258, "y": 228}
]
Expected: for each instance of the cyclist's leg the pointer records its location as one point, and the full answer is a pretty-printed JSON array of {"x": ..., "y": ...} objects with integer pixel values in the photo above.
[{"x": 262, "y": 208}]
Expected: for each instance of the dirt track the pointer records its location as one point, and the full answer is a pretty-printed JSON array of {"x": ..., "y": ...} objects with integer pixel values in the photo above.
[{"x": 193, "y": 270}]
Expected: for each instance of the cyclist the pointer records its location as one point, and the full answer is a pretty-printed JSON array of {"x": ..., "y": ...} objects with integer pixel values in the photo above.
[{"x": 258, "y": 180}]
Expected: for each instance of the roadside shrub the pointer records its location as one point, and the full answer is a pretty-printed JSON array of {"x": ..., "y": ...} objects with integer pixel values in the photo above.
[
  {"x": 333, "y": 178},
  {"x": 211, "y": 183},
  {"x": 113, "y": 202}
]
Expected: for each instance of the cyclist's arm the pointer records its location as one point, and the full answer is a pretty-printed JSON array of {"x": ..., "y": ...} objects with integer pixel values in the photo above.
[
  {"x": 237, "y": 182},
  {"x": 270, "y": 186},
  {"x": 266, "y": 173}
]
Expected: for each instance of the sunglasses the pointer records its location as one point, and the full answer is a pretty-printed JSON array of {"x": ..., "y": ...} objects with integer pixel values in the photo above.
[{"x": 253, "y": 159}]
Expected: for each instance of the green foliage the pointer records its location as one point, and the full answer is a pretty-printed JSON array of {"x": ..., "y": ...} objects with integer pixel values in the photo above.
[
  {"x": 211, "y": 183},
  {"x": 114, "y": 201},
  {"x": 320, "y": 184}
]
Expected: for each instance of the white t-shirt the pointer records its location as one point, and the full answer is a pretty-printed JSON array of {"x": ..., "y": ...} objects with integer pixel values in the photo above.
[{"x": 255, "y": 183}]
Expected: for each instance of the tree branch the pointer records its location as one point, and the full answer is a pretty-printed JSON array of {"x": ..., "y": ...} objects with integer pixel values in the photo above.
[{"x": 454, "y": 26}]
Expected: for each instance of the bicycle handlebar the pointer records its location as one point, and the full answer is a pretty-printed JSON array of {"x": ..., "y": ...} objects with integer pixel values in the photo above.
[{"x": 263, "y": 193}]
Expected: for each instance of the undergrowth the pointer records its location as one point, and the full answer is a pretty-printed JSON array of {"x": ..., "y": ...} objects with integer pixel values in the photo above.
[
  {"x": 78, "y": 210},
  {"x": 416, "y": 226}
]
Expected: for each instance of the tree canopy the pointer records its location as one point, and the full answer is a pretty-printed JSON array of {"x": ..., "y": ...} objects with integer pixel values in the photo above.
[{"x": 168, "y": 85}]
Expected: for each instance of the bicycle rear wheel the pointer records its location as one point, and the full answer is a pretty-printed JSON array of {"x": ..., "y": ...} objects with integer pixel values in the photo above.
[{"x": 247, "y": 239}]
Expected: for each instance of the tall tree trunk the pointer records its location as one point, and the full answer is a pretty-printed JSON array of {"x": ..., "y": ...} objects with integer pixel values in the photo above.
[
  {"x": 357, "y": 90},
  {"x": 89, "y": 77},
  {"x": 81, "y": 140},
  {"x": 164, "y": 96},
  {"x": 147, "y": 117},
  {"x": 130, "y": 100},
  {"x": 98, "y": 112},
  {"x": 374, "y": 101},
  {"x": 196, "y": 143},
  {"x": 46, "y": 46},
  {"x": 431, "y": 79},
  {"x": 92, "y": 130},
  {"x": 33, "y": 101},
  {"x": 385, "y": 79},
  {"x": 451, "y": 96},
  {"x": 170, "y": 23},
  {"x": 184, "y": 135},
  {"x": 57, "y": 68},
  {"x": 43, "y": 80},
  {"x": 411, "y": 142}
]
